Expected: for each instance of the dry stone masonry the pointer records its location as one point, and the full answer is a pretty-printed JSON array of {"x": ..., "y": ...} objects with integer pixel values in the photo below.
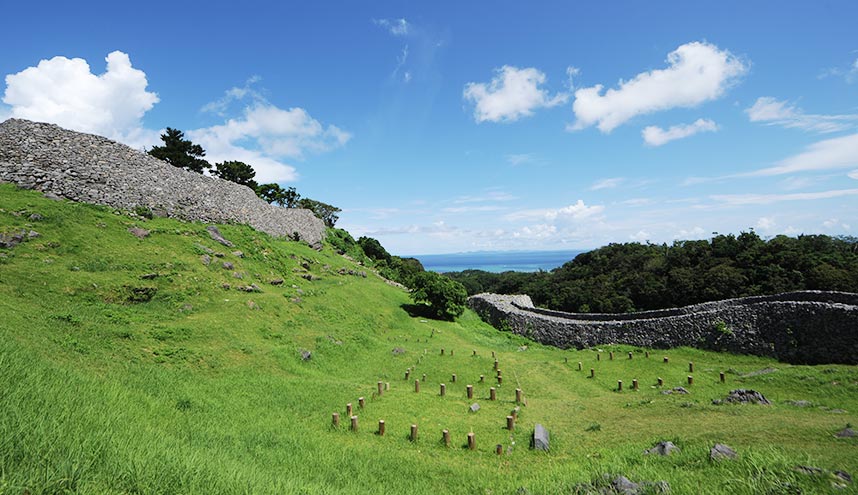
[
  {"x": 808, "y": 327},
  {"x": 93, "y": 169}
]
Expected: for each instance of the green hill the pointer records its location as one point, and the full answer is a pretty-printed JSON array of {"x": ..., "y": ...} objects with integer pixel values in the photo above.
[{"x": 128, "y": 365}]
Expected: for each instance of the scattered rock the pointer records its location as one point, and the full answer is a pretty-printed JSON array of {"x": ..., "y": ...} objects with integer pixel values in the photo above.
[
  {"x": 843, "y": 476},
  {"x": 306, "y": 355},
  {"x": 540, "y": 438},
  {"x": 32, "y": 234},
  {"x": 810, "y": 470},
  {"x": 225, "y": 286},
  {"x": 296, "y": 300},
  {"x": 662, "y": 448},
  {"x": 721, "y": 451},
  {"x": 299, "y": 291},
  {"x": 623, "y": 485},
  {"x": 309, "y": 277},
  {"x": 237, "y": 275},
  {"x": 148, "y": 276},
  {"x": 474, "y": 407},
  {"x": 215, "y": 234},
  {"x": 799, "y": 403},
  {"x": 138, "y": 232},
  {"x": 51, "y": 196},
  {"x": 522, "y": 348},
  {"x": 276, "y": 281},
  {"x": 252, "y": 305},
  {"x": 219, "y": 255},
  {"x": 227, "y": 265},
  {"x": 305, "y": 265},
  {"x": 764, "y": 371},
  {"x": 204, "y": 249},
  {"x": 837, "y": 411},
  {"x": 743, "y": 396},
  {"x": 676, "y": 390},
  {"x": 35, "y": 217},
  {"x": 250, "y": 288},
  {"x": 206, "y": 259},
  {"x": 238, "y": 254},
  {"x": 10, "y": 240},
  {"x": 398, "y": 351},
  {"x": 846, "y": 433}
]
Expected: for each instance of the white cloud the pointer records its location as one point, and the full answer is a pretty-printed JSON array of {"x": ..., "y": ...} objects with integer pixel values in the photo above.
[
  {"x": 488, "y": 196},
  {"x": 513, "y": 93},
  {"x": 635, "y": 202},
  {"x": 690, "y": 234},
  {"x": 265, "y": 134},
  {"x": 763, "y": 199},
  {"x": 519, "y": 159},
  {"x": 836, "y": 153},
  {"x": 472, "y": 209},
  {"x": 849, "y": 74},
  {"x": 853, "y": 174},
  {"x": 65, "y": 92},
  {"x": 607, "y": 183},
  {"x": 235, "y": 93},
  {"x": 766, "y": 224},
  {"x": 835, "y": 224},
  {"x": 396, "y": 27},
  {"x": 574, "y": 212},
  {"x": 640, "y": 236},
  {"x": 571, "y": 74},
  {"x": 697, "y": 72},
  {"x": 656, "y": 136},
  {"x": 774, "y": 112}
]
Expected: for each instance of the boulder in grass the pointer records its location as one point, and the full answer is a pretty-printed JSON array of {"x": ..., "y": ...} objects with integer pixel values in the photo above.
[
  {"x": 138, "y": 232},
  {"x": 743, "y": 396},
  {"x": 540, "y": 438},
  {"x": 846, "y": 433},
  {"x": 662, "y": 448},
  {"x": 215, "y": 234},
  {"x": 721, "y": 451}
]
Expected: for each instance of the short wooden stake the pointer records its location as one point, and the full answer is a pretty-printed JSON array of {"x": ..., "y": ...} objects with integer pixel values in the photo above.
[
  {"x": 354, "y": 423},
  {"x": 500, "y": 380},
  {"x": 580, "y": 365},
  {"x": 493, "y": 353},
  {"x": 690, "y": 380},
  {"x": 482, "y": 378},
  {"x": 666, "y": 360},
  {"x": 451, "y": 352},
  {"x": 691, "y": 367},
  {"x": 517, "y": 395},
  {"x": 453, "y": 378},
  {"x": 407, "y": 374},
  {"x": 592, "y": 373},
  {"x": 380, "y": 388},
  {"x": 381, "y": 427},
  {"x": 493, "y": 394},
  {"x": 472, "y": 443},
  {"x": 335, "y": 420},
  {"x": 598, "y": 357},
  {"x": 349, "y": 409},
  {"x": 499, "y": 373},
  {"x": 635, "y": 384},
  {"x": 515, "y": 413},
  {"x": 470, "y": 389},
  {"x": 442, "y": 351},
  {"x": 443, "y": 390},
  {"x": 499, "y": 449},
  {"x": 660, "y": 382},
  {"x": 630, "y": 355},
  {"x": 646, "y": 354},
  {"x": 496, "y": 364},
  {"x": 424, "y": 377},
  {"x": 361, "y": 402},
  {"x": 721, "y": 375},
  {"x": 386, "y": 385},
  {"x": 445, "y": 437},
  {"x": 611, "y": 355},
  {"x": 475, "y": 352},
  {"x": 417, "y": 385},
  {"x": 510, "y": 423},
  {"x": 413, "y": 433},
  {"x": 566, "y": 360},
  {"x": 619, "y": 385}
]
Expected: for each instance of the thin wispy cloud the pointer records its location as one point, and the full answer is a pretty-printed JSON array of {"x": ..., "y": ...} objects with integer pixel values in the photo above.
[
  {"x": 771, "y": 111},
  {"x": 489, "y": 196},
  {"x": 396, "y": 27},
  {"x": 577, "y": 211},
  {"x": 830, "y": 154},
  {"x": 849, "y": 73},
  {"x": 656, "y": 136},
  {"x": 607, "y": 183},
  {"x": 764, "y": 199},
  {"x": 520, "y": 159}
]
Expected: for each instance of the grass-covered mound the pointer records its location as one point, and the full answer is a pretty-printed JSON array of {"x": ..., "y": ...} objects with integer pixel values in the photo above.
[{"x": 127, "y": 365}]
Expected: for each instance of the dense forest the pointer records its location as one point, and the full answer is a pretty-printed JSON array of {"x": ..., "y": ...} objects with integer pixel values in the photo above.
[{"x": 635, "y": 277}]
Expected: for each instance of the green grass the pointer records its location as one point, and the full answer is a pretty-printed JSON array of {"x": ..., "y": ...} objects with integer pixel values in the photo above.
[{"x": 110, "y": 383}]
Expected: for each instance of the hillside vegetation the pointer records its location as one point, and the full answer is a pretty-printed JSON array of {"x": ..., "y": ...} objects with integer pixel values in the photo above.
[
  {"x": 620, "y": 278},
  {"x": 166, "y": 362}
]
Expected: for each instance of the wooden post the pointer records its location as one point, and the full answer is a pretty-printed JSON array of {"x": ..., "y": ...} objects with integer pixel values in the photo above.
[
  {"x": 493, "y": 353},
  {"x": 493, "y": 394},
  {"x": 691, "y": 367},
  {"x": 443, "y": 390},
  {"x": 646, "y": 354},
  {"x": 335, "y": 420},
  {"x": 361, "y": 402},
  {"x": 445, "y": 437},
  {"x": 349, "y": 409},
  {"x": 666, "y": 360},
  {"x": 611, "y": 355},
  {"x": 453, "y": 378},
  {"x": 386, "y": 385},
  {"x": 424, "y": 377},
  {"x": 619, "y": 385},
  {"x": 518, "y": 395},
  {"x": 413, "y": 433},
  {"x": 690, "y": 380},
  {"x": 500, "y": 380},
  {"x": 510, "y": 423},
  {"x": 598, "y": 357},
  {"x": 381, "y": 427},
  {"x": 630, "y": 354},
  {"x": 482, "y": 378},
  {"x": 442, "y": 351},
  {"x": 451, "y": 352},
  {"x": 380, "y": 388},
  {"x": 660, "y": 382},
  {"x": 515, "y": 413},
  {"x": 499, "y": 449},
  {"x": 565, "y": 359},
  {"x": 354, "y": 424},
  {"x": 496, "y": 364},
  {"x": 470, "y": 389},
  {"x": 721, "y": 375},
  {"x": 635, "y": 384},
  {"x": 472, "y": 443},
  {"x": 475, "y": 352},
  {"x": 580, "y": 365},
  {"x": 407, "y": 374},
  {"x": 592, "y": 373},
  {"x": 417, "y": 385}
]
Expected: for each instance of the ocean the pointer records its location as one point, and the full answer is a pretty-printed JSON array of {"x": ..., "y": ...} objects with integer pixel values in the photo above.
[{"x": 496, "y": 261}]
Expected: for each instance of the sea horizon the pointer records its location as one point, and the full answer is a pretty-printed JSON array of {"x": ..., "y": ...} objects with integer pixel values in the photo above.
[{"x": 497, "y": 261}]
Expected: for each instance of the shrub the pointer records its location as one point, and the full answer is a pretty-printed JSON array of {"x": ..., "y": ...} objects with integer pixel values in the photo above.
[{"x": 445, "y": 297}]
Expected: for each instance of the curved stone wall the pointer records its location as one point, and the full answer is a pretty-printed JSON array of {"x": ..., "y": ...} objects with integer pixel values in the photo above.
[
  {"x": 798, "y": 327},
  {"x": 93, "y": 169}
]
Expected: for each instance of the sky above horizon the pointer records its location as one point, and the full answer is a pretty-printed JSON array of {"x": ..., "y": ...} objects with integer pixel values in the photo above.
[{"x": 445, "y": 126}]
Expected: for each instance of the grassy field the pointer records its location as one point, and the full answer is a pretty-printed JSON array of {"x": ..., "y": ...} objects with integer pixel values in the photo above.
[{"x": 128, "y": 365}]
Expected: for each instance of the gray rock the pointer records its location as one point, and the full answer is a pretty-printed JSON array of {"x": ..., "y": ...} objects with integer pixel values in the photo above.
[
  {"x": 676, "y": 390},
  {"x": 474, "y": 407},
  {"x": 237, "y": 275},
  {"x": 250, "y": 288},
  {"x": 238, "y": 254},
  {"x": 721, "y": 451},
  {"x": 138, "y": 232},
  {"x": 809, "y": 470},
  {"x": 35, "y": 217},
  {"x": 204, "y": 249},
  {"x": 227, "y": 265},
  {"x": 306, "y": 355},
  {"x": 148, "y": 276},
  {"x": 32, "y": 234},
  {"x": 843, "y": 476},
  {"x": 846, "y": 433},
  {"x": 398, "y": 351},
  {"x": 215, "y": 234},
  {"x": 276, "y": 281},
  {"x": 662, "y": 448},
  {"x": 625, "y": 486},
  {"x": 206, "y": 259},
  {"x": 743, "y": 396},
  {"x": 540, "y": 438}
]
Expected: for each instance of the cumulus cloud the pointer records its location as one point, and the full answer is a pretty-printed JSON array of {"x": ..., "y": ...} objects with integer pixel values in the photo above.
[
  {"x": 574, "y": 212},
  {"x": 66, "y": 92},
  {"x": 607, "y": 183},
  {"x": 396, "y": 27},
  {"x": 830, "y": 154},
  {"x": 771, "y": 111},
  {"x": 656, "y": 136},
  {"x": 697, "y": 72},
  {"x": 264, "y": 135},
  {"x": 766, "y": 224},
  {"x": 513, "y": 93}
]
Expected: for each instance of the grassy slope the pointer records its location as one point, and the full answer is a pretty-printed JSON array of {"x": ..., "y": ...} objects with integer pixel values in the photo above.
[{"x": 199, "y": 391}]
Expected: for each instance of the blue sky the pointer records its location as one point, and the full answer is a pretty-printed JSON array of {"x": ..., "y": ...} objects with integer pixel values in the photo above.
[{"x": 481, "y": 125}]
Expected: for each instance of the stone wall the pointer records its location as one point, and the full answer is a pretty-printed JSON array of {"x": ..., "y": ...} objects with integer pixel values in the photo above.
[
  {"x": 798, "y": 327},
  {"x": 92, "y": 169}
]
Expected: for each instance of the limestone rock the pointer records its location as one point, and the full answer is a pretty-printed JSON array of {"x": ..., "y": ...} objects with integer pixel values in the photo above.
[
  {"x": 540, "y": 438},
  {"x": 846, "y": 433},
  {"x": 474, "y": 407},
  {"x": 743, "y": 396},
  {"x": 721, "y": 451},
  {"x": 662, "y": 448},
  {"x": 138, "y": 232},
  {"x": 215, "y": 234}
]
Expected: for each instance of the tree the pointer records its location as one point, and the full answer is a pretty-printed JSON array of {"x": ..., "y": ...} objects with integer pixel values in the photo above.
[
  {"x": 180, "y": 152},
  {"x": 372, "y": 248},
  {"x": 328, "y": 213},
  {"x": 274, "y": 194},
  {"x": 238, "y": 172},
  {"x": 444, "y": 296}
]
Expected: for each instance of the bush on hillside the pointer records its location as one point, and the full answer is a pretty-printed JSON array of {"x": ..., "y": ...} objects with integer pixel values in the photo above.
[{"x": 445, "y": 297}]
